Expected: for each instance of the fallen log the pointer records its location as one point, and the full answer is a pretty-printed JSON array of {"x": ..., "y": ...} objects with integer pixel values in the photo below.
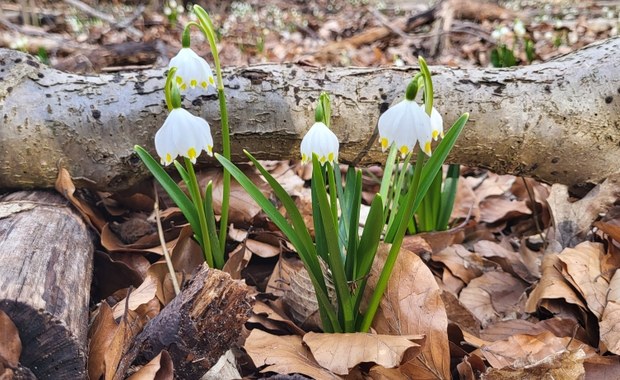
[
  {"x": 46, "y": 253},
  {"x": 557, "y": 121},
  {"x": 203, "y": 322}
]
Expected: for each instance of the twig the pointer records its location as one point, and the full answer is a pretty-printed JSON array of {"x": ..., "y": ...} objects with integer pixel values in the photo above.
[
  {"x": 105, "y": 17},
  {"x": 162, "y": 240},
  {"x": 385, "y": 22}
]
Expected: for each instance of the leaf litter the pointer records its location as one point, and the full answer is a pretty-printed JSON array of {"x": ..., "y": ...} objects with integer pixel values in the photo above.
[{"x": 525, "y": 285}]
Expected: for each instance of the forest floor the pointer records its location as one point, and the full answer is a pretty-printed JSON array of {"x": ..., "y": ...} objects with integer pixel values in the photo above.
[{"x": 519, "y": 295}]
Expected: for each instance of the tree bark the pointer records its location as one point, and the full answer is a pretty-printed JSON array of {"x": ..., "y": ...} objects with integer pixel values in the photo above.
[
  {"x": 46, "y": 253},
  {"x": 199, "y": 325},
  {"x": 557, "y": 121}
]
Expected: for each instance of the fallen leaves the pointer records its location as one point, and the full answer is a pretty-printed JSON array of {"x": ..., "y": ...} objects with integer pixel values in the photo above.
[{"x": 10, "y": 346}]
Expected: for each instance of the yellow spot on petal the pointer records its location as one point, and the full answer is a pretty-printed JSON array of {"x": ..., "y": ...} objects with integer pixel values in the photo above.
[
  {"x": 184, "y": 86},
  {"x": 404, "y": 150},
  {"x": 203, "y": 84},
  {"x": 384, "y": 143},
  {"x": 211, "y": 80},
  {"x": 168, "y": 158},
  {"x": 330, "y": 157},
  {"x": 193, "y": 83},
  {"x": 304, "y": 157},
  {"x": 210, "y": 150},
  {"x": 427, "y": 148},
  {"x": 179, "y": 80},
  {"x": 435, "y": 134},
  {"x": 322, "y": 159},
  {"x": 191, "y": 153}
]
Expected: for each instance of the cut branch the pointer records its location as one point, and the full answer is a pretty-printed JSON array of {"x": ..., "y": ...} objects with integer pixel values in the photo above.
[
  {"x": 47, "y": 255},
  {"x": 557, "y": 121}
]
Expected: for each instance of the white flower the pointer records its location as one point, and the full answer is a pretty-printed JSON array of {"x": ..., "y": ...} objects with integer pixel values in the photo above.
[
  {"x": 192, "y": 70},
  {"x": 183, "y": 134},
  {"x": 519, "y": 28},
  {"x": 436, "y": 124},
  {"x": 321, "y": 141},
  {"x": 405, "y": 124}
]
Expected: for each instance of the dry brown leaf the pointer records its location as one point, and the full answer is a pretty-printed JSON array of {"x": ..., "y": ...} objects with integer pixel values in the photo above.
[
  {"x": 509, "y": 260},
  {"x": 459, "y": 314},
  {"x": 610, "y": 327},
  {"x": 283, "y": 354},
  {"x": 492, "y": 295},
  {"x": 261, "y": 249},
  {"x": 412, "y": 305},
  {"x": 270, "y": 315},
  {"x": 614, "y": 288},
  {"x": 497, "y": 209},
  {"x": 186, "y": 253},
  {"x": 552, "y": 285},
  {"x": 522, "y": 350},
  {"x": 462, "y": 263},
  {"x": 101, "y": 334},
  {"x": 160, "y": 368},
  {"x": 563, "y": 365},
  {"x": 237, "y": 261},
  {"x": 242, "y": 207},
  {"x": 145, "y": 292},
  {"x": 583, "y": 264},
  {"x": 10, "y": 343},
  {"x": 610, "y": 229},
  {"x": 502, "y": 330},
  {"x": 465, "y": 203},
  {"x": 573, "y": 220},
  {"x": 339, "y": 353},
  {"x": 280, "y": 279},
  {"x": 64, "y": 185},
  {"x": 109, "y": 340},
  {"x": 491, "y": 185},
  {"x": 116, "y": 271}
]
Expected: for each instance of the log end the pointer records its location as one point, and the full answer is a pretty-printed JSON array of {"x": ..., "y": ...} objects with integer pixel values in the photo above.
[{"x": 49, "y": 349}]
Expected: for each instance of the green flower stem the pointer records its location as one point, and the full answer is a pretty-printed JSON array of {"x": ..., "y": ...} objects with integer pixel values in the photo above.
[
  {"x": 333, "y": 195},
  {"x": 192, "y": 186},
  {"x": 206, "y": 26},
  {"x": 384, "y": 278},
  {"x": 386, "y": 181},
  {"x": 428, "y": 86},
  {"x": 168, "y": 88}
]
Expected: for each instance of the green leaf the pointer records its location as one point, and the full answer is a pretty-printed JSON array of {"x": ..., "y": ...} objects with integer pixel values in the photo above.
[
  {"x": 370, "y": 238},
  {"x": 353, "y": 200},
  {"x": 448, "y": 195},
  {"x": 175, "y": 192},
  {"x": 328, "y": 316},
  {"x": 333, "y": 251},
  {"x": 218, "y": 254}
]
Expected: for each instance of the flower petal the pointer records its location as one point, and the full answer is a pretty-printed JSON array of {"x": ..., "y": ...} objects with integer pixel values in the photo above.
[
  {"x": 320, "y": 140},
  {"x": 192, "y": 70},
  {"x": 183, "y": 134}
]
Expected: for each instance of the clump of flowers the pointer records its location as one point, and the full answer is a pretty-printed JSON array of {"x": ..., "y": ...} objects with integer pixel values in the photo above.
[
  {"x": 186, "y": 136},
  {"x": 338, "y": 244}
]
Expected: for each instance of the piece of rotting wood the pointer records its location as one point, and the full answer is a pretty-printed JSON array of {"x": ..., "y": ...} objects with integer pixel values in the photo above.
[
  {"x": 46, "y": 257},
  {"x": 197, "y": 327}
]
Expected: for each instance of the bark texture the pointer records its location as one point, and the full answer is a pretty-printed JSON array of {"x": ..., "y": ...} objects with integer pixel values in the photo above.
[
  {"x": 557, "y": 121},
  {"x": 198, "y": 326},
  {"x": 46, "y": 253}
]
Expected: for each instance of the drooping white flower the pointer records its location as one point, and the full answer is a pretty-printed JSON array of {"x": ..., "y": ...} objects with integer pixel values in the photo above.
[
  {"x": 436, "y": 124},
  {"x": 192, "y": 70},
  {"x": 405, "y": 124},
  {"x": 321, "y": 141},
  {"x": 183, "y": 134}
]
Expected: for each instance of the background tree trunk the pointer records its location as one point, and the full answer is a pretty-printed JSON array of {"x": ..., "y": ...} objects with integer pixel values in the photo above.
[
  {"x": 557, "y": 121},
  {"x": 46, "y": 256}
]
